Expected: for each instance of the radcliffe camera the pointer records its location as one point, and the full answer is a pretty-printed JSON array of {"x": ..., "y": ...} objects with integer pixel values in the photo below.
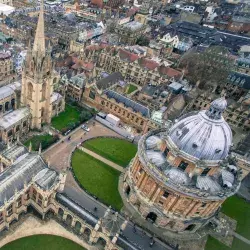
[{"x": 125, "y": 124}]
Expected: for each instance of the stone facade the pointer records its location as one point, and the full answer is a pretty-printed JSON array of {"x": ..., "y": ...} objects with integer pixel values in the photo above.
[
  {"x": 38, "y": 80},
  {"x": 178, "y": 188},
  {"x": 6, "y": 66},
  {"x": 99, "y": 100}
]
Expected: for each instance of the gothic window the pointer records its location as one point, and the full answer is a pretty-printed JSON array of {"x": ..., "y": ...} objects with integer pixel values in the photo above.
[
  {"x": 183, "y": 165},
  {"x": 17, "y": 128},
  {"x": 44, "y": 91},
  {"x": 7, "y": 106},
  {"x": 9, "y": 210},
  {"x": 34, "y": 194},
  {"x": 13, "y": 103},
  {"x": 165, "y": 194},
  {"x": 30, "y": 90},
  {"x": 92, "y": 94},
  {"x": 42, "y": 112},
  {"x": 166, "y": 151},
  {"x": 19, "y": 201},
  {"x": 10, "y": 133},
  {"x": 54, "y": 80},
  {"x": 1, "y": 108}
]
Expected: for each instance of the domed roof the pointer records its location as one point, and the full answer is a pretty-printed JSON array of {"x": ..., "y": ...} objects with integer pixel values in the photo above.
[
  {"x": 155, "y": 157},
  {"x": 205, "y": 135},
  {"x": 153, "y": 142}
]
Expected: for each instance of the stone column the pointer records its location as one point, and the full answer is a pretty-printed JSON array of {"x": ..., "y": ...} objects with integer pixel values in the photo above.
[
  {"x": 174, "y": 208},
  {"x": 155, "y": 196},
  {"x": 144, "y": 182},
  {"x": 189, "y": 208},
  {"x": 192, "y": 212},
  {"x": 141, "y": 179},
  {"x": 153, "y": 190},
  {"x": 171, "y": 203}
]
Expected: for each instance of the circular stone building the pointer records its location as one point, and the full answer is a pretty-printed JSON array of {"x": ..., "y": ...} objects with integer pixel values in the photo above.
[{"x": 181, "y": 176}]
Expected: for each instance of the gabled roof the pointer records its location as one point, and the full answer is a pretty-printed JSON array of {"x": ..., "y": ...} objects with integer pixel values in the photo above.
[
  {"x": 127, "y": 56},
  {"x": 22, "y": 172},
  {"x": 109, "y": 80},
  {"x": 148, "y": 63},
  {"x": 136, "y": 107},
  {"x": 13, "y": 117}
]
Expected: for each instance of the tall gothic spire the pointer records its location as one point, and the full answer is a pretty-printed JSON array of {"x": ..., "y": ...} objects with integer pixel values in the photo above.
[{"x": 39, "y": 43}]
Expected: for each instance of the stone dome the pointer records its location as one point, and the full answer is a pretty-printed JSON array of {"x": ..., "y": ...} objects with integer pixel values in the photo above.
[{"x": 204, "y": 135}]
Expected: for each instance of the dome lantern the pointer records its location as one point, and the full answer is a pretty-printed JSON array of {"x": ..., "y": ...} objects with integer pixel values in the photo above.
[{"x": 216, "y": 109}]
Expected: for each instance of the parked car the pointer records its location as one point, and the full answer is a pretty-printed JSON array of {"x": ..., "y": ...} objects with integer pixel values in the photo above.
[{"x": 84, "y": 127}]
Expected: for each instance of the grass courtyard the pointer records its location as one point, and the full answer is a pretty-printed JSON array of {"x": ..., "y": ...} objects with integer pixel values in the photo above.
[
  {"x": 131, "y": 88},
  {"x": 69, "y": 116},
  {"x": 116, "y": 150},
  {"x": 238, "y": 209},
  {"x": 42, "y": 242},
  {"x": 45, "y": 140},
  {"x": 97, "y": 178}
]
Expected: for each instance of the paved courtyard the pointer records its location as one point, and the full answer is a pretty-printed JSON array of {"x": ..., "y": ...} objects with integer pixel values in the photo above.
[{"x": 59, "y": 157}]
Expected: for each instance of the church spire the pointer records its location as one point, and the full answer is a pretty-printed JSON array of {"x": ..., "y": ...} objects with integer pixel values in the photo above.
[{"x": 39, "y": 43}]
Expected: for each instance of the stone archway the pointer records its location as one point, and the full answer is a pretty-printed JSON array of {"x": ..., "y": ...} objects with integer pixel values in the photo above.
[
  {"x": 151, "y": 217},
  {"x": 190, "y": 227},
  {"x": 101, "y": 243},
  {"x": 6, "y": 106},
  {"x": 60, "y": 213},
  {"x": 78, "y": 227},
  {"x": 69, "y": 220},
  {"x": 127, "y": 190},
  {"x": 86, "y": 233}
]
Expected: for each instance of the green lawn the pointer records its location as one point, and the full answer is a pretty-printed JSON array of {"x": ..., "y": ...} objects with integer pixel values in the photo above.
[
  {"x": 116, "y": 150},
  {"x": 97, "y": 178},
  {"x": 69, "y": 116},
  {"x": 238, "y": 209},
  {"x": 42, "y": 242},
  {"x": 45, "y": 140},
  {"x": 131, "y": 88},
  {"x": 213, "y": 244}
]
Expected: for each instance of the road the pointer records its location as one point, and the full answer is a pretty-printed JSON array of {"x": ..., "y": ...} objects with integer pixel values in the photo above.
[{"x": 59, "y": 158}]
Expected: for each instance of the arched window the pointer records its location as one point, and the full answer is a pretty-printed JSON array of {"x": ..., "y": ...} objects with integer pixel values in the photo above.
[
  {"x": 30, "y": 90},
  {"x": 44, "y": 91},
  {"x": 42, "y": 112}
]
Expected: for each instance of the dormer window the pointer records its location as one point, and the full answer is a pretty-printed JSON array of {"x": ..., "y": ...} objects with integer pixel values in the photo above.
[
  {"x": 205, "y": 171},
  {"x": 183, "y": 165}
]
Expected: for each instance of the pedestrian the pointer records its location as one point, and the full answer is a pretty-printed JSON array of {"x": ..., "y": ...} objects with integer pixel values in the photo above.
[{"x": 95, "y": 209}]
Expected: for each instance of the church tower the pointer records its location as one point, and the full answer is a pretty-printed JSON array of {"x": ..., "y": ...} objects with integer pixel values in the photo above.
[{"x": 37, "y": 78}]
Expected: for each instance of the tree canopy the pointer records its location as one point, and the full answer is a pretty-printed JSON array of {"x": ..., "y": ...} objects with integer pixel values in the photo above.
[{"x": 210, "y": 68}]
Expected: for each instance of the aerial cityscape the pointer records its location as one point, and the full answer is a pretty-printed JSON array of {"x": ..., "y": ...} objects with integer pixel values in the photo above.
[{"x": 125, "y": 124}]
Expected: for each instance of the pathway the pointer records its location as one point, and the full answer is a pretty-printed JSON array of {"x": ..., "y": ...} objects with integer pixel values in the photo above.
[
  {"x": 59, "y": 156},
  {"x": 241, "y": 238},
  {"x": 104, "y": 160}
]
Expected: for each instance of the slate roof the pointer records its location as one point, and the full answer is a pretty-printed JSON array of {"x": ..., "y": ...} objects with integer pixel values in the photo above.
[
  {"x": 109, "y": 80},
  {"x": 22, "y": 172},
  {"x": 77, "y": 209},
  {"x": 13, "y": 117},
  {"x": 14, "y": 152},
  {"x": 128, "y": 103},
  {"x": 240, "y": 79}
]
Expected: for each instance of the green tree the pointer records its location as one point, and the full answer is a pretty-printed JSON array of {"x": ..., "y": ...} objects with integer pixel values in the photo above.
[
  {"x": 143, "y": 41},
  {"x": 85, "y": 115},
  {"x": 209, "y": 68}
]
